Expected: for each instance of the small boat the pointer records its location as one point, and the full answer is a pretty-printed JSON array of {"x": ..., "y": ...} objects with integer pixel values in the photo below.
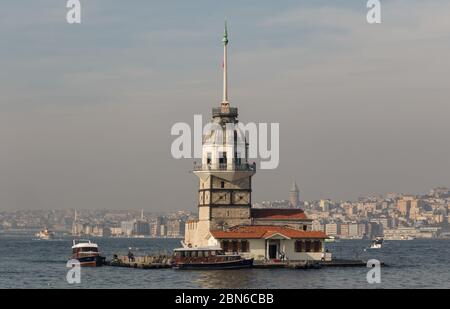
[
  {"x": 208, "y": 258},
  {"x": 86, "y": 253},
  {"x": 45, "y": 234},
  {"x": 408, "y": 237},
  {"x": 330, "y": 239},
  {"x": 377, "y": 243}
]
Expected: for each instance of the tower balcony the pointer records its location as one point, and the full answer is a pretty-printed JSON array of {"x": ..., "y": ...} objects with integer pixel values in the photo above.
[
  {"x": 230, "y": 112},
  {"x": 225, "y": 167},
  {"x": 228, "y": 172}
]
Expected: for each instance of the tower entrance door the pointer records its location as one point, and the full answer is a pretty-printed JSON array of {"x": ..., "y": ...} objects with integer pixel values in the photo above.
[{"x": 273, "y": 250}]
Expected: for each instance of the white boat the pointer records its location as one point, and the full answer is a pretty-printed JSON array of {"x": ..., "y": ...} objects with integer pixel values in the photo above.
[
  {"x": 45, "y": 234},
  {"x": 377, "y": 243},
  {"x": 87, "y": 253},
  {"x": 331, "y": 239}
]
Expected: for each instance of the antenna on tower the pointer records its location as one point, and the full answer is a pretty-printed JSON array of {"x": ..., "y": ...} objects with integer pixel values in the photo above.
[{"x": 225, "y": 66}]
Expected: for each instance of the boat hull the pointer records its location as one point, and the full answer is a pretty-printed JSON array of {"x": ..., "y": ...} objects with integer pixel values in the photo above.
[
  {"x": 375, "y": 247},
  {"x": 90, "y": 261},
  {"x": 239, "y": 264}
]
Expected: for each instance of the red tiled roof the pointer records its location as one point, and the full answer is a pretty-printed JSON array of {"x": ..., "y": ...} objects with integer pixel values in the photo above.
[
  {"x": 278, "y": 214},
  {"x": 265, "y": 231}
]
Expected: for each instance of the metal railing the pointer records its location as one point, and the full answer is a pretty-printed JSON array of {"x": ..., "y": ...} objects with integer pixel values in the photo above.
[
  {"x": 232, "y": 112},
  {"x": 225, "y": 167}
]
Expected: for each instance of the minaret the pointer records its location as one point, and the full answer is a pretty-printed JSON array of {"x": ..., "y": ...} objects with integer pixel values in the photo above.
[
  {"x": 75, "y": 231},
  {"x": 224, "y": 195},
  {"x": 294, "y": 195}
]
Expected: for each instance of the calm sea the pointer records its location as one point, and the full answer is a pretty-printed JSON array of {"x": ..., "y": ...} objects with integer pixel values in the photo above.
[{"x": 29, "y": 263}]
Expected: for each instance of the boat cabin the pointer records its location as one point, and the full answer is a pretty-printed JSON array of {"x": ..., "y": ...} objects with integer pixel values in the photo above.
[
  {"x": 198, "y": 252},
  {"x": 84, "y": 246}
]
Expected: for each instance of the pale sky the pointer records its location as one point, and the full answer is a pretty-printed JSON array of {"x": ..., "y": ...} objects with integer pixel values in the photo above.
[{"x": 86, "y": 110}]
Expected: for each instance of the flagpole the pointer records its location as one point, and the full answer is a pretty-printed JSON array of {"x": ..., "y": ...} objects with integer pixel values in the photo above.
[{"x": 225, "y": 67}]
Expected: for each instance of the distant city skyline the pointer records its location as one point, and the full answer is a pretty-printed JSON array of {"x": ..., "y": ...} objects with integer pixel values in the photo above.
[
  {"x": 395, "y": 216},
  {"x": 86, "y": 110}
]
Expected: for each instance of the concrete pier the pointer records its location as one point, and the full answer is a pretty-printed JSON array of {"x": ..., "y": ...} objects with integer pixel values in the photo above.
[
  {"x": 164, "y": 261},
  {"x": 144, "y": 262}
]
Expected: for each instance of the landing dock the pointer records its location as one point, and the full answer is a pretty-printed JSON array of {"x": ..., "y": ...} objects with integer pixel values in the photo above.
[
  {"x": 311, "y": 264},
  {"x": 164, "y": 261},
  {"x": 143, "y": 262}
]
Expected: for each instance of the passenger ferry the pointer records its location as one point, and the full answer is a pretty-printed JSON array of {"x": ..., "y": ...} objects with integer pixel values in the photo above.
[
  {"x": 208, "y": 258},
  {"x": 86, "y": 252},
  {"x": 45, "y": 234}
]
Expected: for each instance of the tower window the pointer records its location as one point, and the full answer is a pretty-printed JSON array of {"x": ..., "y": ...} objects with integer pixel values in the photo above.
[
  {"x": 223, "y": 158},
  {"x": 222, "y": 184},
  {"x": 208, "y": 158},
  {"x": 237, "y": 158}
]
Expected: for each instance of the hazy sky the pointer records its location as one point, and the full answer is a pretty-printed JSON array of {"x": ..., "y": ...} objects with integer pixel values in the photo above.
[{"x": 86, "y": 110}]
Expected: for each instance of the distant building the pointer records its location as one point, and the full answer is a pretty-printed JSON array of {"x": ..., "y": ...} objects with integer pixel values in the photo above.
[
  {"x": 116, "y": 231},
  {"x": 409, "y": 207},
  {"x": 345, "y": 230},
  {"x": 141, "y": 227},
  {"x": 175, "y": 228},
  {"x": 156, "y": 227},
  {"x": 353, "y": 230},
  {"x": 87, "y": 230},
  {"x": 324, "y": 205},
  {"x": 294, "y": 195},
  {"x": 362, "y": 230},
  {"x": 77, "y": 229},
  {"x": 441, "y": 192},
  {"x": 332, "y": 229},
  {"x": 317, "y": 226},
  {"x": 162, "y": 230},
  {"x": 127, "y": 227}
]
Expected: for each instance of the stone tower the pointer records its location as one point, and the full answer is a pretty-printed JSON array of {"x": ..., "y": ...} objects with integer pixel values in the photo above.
[
  {"x": 294, "y": 195},
  {"x": 225, "y": 186}
]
